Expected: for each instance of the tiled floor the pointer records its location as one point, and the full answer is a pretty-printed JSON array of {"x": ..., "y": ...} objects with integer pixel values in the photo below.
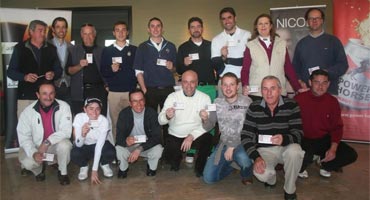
[{"x": 168, "y": 185}]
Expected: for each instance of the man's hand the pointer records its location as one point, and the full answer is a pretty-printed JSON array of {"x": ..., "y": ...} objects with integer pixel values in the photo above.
[
  {"x": 259, "y": 165},
  {"x": 134, "y": 156},
  {"x": 277, "y": 139},
  {"x": 245, "y": 90},
  {"x": 85, "y": 129},
  {"x": 170, "y": 113},
  {"x": 331, "y": 153},
  {"x": 84, "y": 63},
  {"x": 186, "y": 144},
  {"x": 229, "y": 154},
  {"x": 95, "y": 177},
  {"x": 187, "y": 61},
  {"x": 31, "y": 77},
  {"x": 130, "y": 141},
  {"x": 224, "y": 52},
  {"x": 37, "y": 156},
  {"x": 115, "y": 67},
  {"x": 43, "y": 148},
  {"x": 203, "y": 115},
  {"x": 49, "y": 75},
  {"x": 169, "y": 65}
]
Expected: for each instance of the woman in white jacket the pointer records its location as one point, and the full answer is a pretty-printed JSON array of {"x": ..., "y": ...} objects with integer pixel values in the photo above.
[{"x": 90, "y": 131}]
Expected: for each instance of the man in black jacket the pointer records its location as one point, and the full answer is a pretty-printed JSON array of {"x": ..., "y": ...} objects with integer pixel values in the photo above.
[{"x": 138, "y": 134}]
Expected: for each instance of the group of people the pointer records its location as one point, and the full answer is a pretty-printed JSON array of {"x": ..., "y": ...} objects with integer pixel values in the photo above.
[{"x": 90, "y": 93}]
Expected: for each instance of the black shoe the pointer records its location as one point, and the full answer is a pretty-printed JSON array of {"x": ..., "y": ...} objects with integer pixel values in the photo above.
[
  {"x": 25, "y": 172},
  {"x": 150, "y": 172},
  {"x": 40, "y": 177},
  {"x": 174, "y": 168},
  {"x": 122, "y": 174},
  {"x": 63, "y": 179},
  {"x": 290, "y": 196},
  {"x": 198, "y": 174},
  {"x": 269, "y": 186}
]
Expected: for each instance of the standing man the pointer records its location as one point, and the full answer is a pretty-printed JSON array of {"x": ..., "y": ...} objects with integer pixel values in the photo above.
[
  {"x": 84, "y": 68},
  {"x": 117, "y": 70},
  {"x": 45, "y": 126},
  {"x": 59, "y": 28},
  {"x": 323, "y": 127},
  {"x": 319, "y": 50},
  {"x": 33, "y": 62},
  {"x": 228, "y": 46},
  {"x": 181, "y": 113},
  {"x": 155, "y": 64},
  {"x": 138, "y": 134},
  {"x": 230, "y": 113},
  {"x": 272, "y": 134},
  {"x": 195, "y": 54}
]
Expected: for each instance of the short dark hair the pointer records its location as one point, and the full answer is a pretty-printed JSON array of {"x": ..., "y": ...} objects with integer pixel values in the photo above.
[
  {"x": 319, "y": 72},
  {"x": 195, "y": 19},
  {"x": 61, "y": 19},
  {"x": 34, "y": 23},
  {"x": 136, "y": 90},
  {"x": 45, "y": 82},
  {"x": 229, "y": 10},
  {"x": 231, "y": 75},
  {"x": 154, "y": 19},
  {"x": 120, "y": 23},
  {"x": 311, "y": 9}
]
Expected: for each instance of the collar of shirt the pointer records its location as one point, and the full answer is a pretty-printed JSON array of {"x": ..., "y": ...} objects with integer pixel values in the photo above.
[
  {"x": 267, "y": 41},
  {"x": 118, "y": 47},
  {"x": 157, "y": 46},
  {"x": 316, "y": 36},
  {"x": 56, "y": 42},
  {"x": 237, "y": 30},
  {"x": 281, "y": 102}
]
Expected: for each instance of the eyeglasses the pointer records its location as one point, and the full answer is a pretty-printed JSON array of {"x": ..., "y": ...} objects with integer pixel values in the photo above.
[{"x": 314, "y": 18}]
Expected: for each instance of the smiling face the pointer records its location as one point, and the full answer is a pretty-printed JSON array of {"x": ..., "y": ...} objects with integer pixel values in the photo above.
[
  {"x": 271, "y": 91},
  {"x": 319, "y": 85},
  {"x": 315, "y": 21},
  {"x": 229, "y": 86},
  {"x": 189, "y": 82},
  {"x": 60, "y": 29},
  {"x": 264, "y": 26},
  {"x": 92, "y": 110},
  {"x": 137, "y": 102},
  {"x": 46, "y": 95},
  {"x": 228, "y": 22},
  {"x": 88, "y": 35},
  {"x": 155, "y": 29},
  {"x": 196, "y": 29},
  {"x": 120, "y": 32}
]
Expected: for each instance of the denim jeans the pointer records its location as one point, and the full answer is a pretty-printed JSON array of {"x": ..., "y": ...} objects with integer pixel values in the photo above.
[{"x": 213, "y": 173}]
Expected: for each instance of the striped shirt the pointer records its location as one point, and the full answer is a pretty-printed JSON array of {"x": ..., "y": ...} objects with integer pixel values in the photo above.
[{"x": 285, "y": 120}]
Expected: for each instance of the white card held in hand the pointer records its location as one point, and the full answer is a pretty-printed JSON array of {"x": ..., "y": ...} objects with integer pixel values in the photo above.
[
  {"x": 116, "y": 59},
  {"x": 264, "y": 139},
  {"x": 231, "y": 43},
  {"x": 89, "y": 57},
  {"x": 177, "y": 87},
  {"x": 194, "y": 56},
  {"x": 310, "y": 70},
  {"x": 253, "y": 88},
  {"x": 94, "y": 124},
  {"x": 211, "y": 107},
  {"x": 140, "y": 138},
  {"x": 48, "y": 157},
  {"x": 161, "y": 62},
  {"x": 179, "y": 106}
]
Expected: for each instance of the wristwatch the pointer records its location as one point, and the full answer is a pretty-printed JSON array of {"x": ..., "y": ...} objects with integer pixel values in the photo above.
[{"x": 47, "y": 142}]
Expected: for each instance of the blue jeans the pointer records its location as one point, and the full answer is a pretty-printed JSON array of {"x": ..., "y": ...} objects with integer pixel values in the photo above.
[{"x": 213, "y": 173}]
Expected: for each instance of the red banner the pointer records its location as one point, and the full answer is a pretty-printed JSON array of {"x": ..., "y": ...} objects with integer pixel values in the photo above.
[{"x": 352, "y": 27}]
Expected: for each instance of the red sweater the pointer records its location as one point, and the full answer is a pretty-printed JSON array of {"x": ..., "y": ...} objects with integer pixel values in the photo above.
[{"x": 320, "y": 116}]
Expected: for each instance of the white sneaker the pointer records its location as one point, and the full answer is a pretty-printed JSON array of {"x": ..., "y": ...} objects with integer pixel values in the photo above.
[
  {"x": 304, "y": 174},
  {"x": 325, "y": 173},
  {"x": 107, "y": 171},
  {"x": 83, "y": 173},
  {"x": 189, "y": 159}
]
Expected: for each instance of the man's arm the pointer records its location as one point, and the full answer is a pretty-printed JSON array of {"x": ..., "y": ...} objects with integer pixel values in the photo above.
[
  {"x": 249, "y": 135},
  {"x": 295, "y": 133},
  {"x": 340, "y": 61},
  {"x": 24, "y": 132},
  {"x": 168, "y": 104},
  {"x": 13, "y": 70},
  {"x": 122, "y": 132},
  {"x": 154, "y": 132},
  {"x": 181, "y": 64}
]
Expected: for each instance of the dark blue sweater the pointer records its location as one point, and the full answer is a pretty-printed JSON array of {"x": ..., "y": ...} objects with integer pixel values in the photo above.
[
  {"x": 124, "y": 80},
  {"x": 325, "y": 51}
]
